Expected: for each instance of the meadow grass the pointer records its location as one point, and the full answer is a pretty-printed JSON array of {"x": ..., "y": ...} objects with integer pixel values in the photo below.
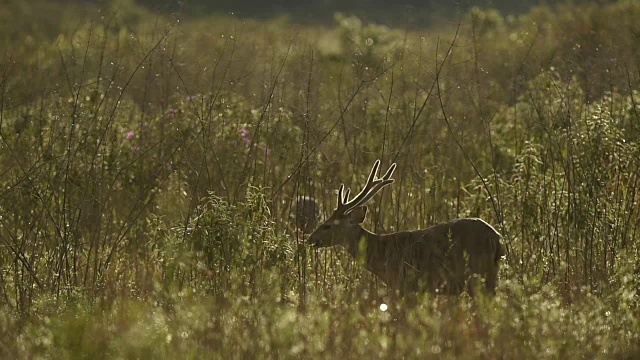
[{"x": 149, "y": 166}]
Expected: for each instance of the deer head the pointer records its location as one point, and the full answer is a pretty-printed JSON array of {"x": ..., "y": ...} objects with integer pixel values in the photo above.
[{"x": 344, "y": 224}]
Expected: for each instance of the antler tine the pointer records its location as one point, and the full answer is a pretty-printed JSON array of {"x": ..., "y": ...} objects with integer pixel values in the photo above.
[
  {"x": 380, "y": 183},
  {"x": 371, "y": 188},
  {"x": 343, "y": 199},
  {"x": 346, "y": 196},
  {"x": 387, "y": 175},
  {"x": 373, "y": 173}
]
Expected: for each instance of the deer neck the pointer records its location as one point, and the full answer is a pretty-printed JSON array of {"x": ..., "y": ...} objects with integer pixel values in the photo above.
[
  {"x": 376, "y": 247},
  {"x": 371, "y": 241}
]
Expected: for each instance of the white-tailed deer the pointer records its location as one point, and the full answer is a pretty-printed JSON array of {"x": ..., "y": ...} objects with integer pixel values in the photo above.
[{"x": 442, "y": 259}]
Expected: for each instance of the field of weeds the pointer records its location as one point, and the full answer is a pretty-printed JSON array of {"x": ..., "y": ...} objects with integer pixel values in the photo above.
[{"x": 149, "y": 166}]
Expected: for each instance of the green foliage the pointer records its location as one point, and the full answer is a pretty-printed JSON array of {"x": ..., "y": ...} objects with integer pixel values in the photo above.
[
  {"x": 149, "y": 167},
  {"x": 367, "y": 46}
]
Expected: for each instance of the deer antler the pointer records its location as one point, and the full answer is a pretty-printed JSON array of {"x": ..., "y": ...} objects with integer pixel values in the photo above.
[{"x": 372, "y": 187}]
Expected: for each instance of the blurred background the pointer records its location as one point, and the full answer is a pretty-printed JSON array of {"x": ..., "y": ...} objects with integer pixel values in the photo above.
[{"x": 394, "y": 13}]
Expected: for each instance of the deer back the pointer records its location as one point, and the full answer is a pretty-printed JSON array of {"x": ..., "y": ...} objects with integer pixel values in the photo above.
[{"x": 438, "y": 259}]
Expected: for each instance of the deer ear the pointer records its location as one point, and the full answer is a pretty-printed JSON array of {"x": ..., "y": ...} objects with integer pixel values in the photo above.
[{"x": 358, "y": 214}]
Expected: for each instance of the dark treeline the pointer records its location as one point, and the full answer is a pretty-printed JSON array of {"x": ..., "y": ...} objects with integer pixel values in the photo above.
[{"x": 396, "y": 13}]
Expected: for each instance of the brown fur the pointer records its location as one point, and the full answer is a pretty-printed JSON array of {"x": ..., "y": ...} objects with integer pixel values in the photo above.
[{"x": 441, "y": 259}]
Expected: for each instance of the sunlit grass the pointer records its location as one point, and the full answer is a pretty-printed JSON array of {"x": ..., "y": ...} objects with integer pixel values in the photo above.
[{"x": 149, "y": 166}]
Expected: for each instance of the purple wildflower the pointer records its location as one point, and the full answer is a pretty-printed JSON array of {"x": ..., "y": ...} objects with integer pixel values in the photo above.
[
  {"x": 130, "y": 135},
  {"x": 136, "y": 149},
  {"x": 172, "y": 112},
  {"x": 244, "y": 134}
]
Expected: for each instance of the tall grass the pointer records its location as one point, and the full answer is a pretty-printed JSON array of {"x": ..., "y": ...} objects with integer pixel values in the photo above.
[{"x": 149, "y": 166}]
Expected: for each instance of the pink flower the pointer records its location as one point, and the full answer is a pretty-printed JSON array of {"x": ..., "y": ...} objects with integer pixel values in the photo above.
[
  {"x": 244, "y": 134},
  {"x": 131, "y": 134}
]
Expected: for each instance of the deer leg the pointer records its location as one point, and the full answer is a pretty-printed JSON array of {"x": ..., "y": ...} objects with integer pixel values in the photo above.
[
  {"x": 492, "y": 279},
  {"x": 481, "y": 267}
]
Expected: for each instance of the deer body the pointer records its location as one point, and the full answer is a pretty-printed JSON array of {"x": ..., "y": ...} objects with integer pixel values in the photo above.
[
  {"x": 442, "y": 259},
  {"x": 439, "y": 259}
]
